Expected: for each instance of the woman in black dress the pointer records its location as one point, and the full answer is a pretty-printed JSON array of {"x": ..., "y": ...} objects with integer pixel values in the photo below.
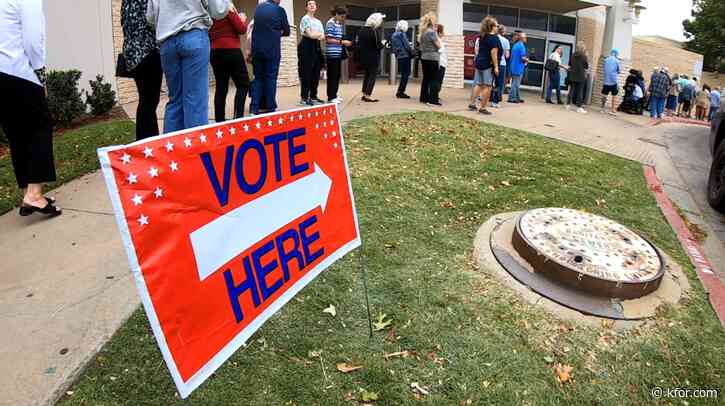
[{"x": 368, "y": 48}]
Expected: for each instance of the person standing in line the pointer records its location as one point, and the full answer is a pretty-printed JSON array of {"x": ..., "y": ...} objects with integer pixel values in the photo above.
[
  {"x": 143, "y": 63},
  {"x": 671, "y": 105},
  {"x": 688, "y": 96},
  {"x": 369, "y": 47},
  {"x": 519, "y": 59},
  {"x": 182, "y": 30},
  {"x": 505, "y": 56},
  {"x": 443, "y": 61},
  {"x": 611, "y": 80},
  {"x": 430, "y": 45},
  {"x": 659, "y": 88},
  {"x": 335, "y": 51},
  {"x": 310, "y": 55},
  {"x": 702, "y": 102},
  {"x": 270, "y": 25},
  {"x": 227, "y": 61},
  {"x": 554, "y": 72},
  {"x": 487, "y": 65},
  {"x": 24, "y": 115},
  {"x": 578, "y": 76},
  {"x": 404, "y": 55},
  {"x": 715, "y": 99}
]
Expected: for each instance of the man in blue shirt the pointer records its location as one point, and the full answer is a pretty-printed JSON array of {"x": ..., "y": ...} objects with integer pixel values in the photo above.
[
  {"x": 519, "y": 59},
  {"x": 611, "y": 79},
  {"x": 270, "y": 24},
  {"x": 714, "y": 103}
]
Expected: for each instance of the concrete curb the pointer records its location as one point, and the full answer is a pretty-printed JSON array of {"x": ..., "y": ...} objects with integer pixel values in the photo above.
[{"x": 703, "y": 268}]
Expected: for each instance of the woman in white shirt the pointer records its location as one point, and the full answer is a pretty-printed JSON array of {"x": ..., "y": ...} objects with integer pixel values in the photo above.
[
  {"x": 310, "y": 55},
  {"x": 24, "y": 113}
]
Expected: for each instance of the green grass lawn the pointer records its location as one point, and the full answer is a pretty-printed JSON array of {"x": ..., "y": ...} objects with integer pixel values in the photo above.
[
  {"x": 75, "y": 155},
  {"x": 424, "y": 183}
]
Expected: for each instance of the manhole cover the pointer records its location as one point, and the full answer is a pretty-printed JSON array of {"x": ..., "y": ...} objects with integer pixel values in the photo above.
[{"x": 588, "y": 252}]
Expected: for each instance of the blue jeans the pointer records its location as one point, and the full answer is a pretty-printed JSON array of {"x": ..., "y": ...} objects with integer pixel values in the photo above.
[
  {"x": 185, "y": 61},
  {"x": 554, "y": 83},
  {"x": 500, "y": 84},
  {"x": 404, "y": 69},
  {"x": 264, "y": 86},
  {"x": 657, "y": 106},
  {"x": 515, "y": 94},
  {"x": 713, "y": 111}
]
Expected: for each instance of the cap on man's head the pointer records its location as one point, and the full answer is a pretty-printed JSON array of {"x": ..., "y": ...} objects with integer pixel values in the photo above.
[{"x": 615, "y": 52}]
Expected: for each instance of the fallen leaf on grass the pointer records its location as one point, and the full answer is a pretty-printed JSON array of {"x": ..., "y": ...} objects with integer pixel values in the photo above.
[
  {"x": 345, "y": 368},
  {"x": 549, "y": 360},
  {"x": 563, "y": 373},
  {"x": 403, "y": 354},
  {"x": 331, "y": 311},
  {"x": 382, "y": 322},
  {"x": 419, "y": 389},
  {"x": 505, "y": 183},
  {"x": 349, "y": 397},
  {"x": 485, "y": 384},
  {"x": 368, "y": 396}
]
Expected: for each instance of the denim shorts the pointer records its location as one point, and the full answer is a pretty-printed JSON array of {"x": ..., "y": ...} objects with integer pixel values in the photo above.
[{"x": 483, "y": 77}]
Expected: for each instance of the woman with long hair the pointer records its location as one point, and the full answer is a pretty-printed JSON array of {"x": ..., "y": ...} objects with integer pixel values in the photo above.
[
  {"x": 488, "y": 52},
  {"x": 143, "y": 63},
  {"x": 369, "y": 47},
  {"x": 578, "y": 76},
  {"x": 430, "y": 45}
]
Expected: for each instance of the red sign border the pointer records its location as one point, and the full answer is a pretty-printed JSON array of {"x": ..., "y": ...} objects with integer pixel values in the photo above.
[{"x": 185, "y": 388}]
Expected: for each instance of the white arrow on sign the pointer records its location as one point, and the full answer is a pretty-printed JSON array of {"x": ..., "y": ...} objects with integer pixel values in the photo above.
[{"x": 223, "y": 239}]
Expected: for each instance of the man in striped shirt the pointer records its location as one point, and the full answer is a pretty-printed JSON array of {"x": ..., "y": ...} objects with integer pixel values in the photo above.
[{"x": 335, "y": 52}]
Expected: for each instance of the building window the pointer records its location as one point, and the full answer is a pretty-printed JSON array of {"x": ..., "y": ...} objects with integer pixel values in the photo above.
[
  {"x": 537, "y": 49},
  {"x": 505, "y": 15},
  {"x": 410, "y": 11},
  {"x": 534, "y": 20},
  {"x": 533, "y": 76},
  {"x": 358, "y": 13},
  {"x": 474, "y": 13},
  {"x": 563, "y": 24}
]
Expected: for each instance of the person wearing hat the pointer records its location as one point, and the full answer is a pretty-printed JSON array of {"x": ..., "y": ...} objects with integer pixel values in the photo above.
[{"x": 611, "y": 79}]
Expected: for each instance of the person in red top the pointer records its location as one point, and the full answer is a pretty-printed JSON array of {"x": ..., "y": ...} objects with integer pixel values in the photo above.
[{"x": 227, "y": 62}]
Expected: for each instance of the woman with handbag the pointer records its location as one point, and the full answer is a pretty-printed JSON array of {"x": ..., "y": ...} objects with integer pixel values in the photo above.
[
  {"x": 335, "y": 51},
  {"x": 310, "y": 55},
  {"x": 141, "y": 61},
  {"x": 553, "y": 67},
  {"x": 24, "y": 114}
]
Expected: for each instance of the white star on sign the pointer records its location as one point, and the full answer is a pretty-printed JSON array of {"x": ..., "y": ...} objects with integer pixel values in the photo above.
[
  {"x": 258, "y": 125},
  {"x": 137, "y": 200},
  {"x": 246, "y": 127},
  {"x": 332, "y": 122},
  {"x": 174, "y": 166},
  {"x": 153, "y": 172},
  {"x": 317, "y": 126},
  {"x": 291, "y": 117},
  {"x": 232, "y": 131},
  {"x": 325, "y": 135},
  {"x": 269, "y": 123},
  {"x": 309, "y": 115},
  {"x": 324, "y": 112},
  {"x": 158, "y": 192},
  {"x": 202, "y": 138},
  {"x": 280, "y": 121},
  {"x": 219, "y": 133},
  {"x": 317, "y": 114},
  {"x": 169, "y": 146},
  {"x": 132, "y": 178},
  {"x": 300, "y": 116},
  {"x": 126, "y": 159},
  {"x": 187, "y": 142},
  {"x": 148, "y": 152},
  {"x": 324, "y": 123},
  {"x": 143, "y": 220},
  {"x": 334, "y": 133},
  {"x": 335, "y": 145}
]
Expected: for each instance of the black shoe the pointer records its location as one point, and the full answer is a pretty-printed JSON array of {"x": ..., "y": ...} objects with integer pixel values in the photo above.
[
  {"x": 437, "y": 103},
  {"x": 549, "y": 101},
  {"x": 402, "y": 96},
  {"x": 317, "y": 100},
  {"x": 49, "y": 210},
  {"x": 520, "y": 101},
  {"x": 559, "y": 102},
  {"x": 472, "y": 107},
  {"x": 484, "y": 112},
  {"x": 513, "y": 101}
]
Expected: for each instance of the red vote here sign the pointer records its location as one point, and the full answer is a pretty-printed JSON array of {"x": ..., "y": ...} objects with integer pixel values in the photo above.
[{"x": 224, "y": 224}]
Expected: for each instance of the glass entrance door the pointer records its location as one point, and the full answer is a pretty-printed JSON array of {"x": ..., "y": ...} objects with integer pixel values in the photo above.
[{"x": 565, "y": 58}]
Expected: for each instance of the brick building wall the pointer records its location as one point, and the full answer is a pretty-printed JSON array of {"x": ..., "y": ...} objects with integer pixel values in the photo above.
[
  {"x": 428, "y": 5},
  {"x": 454, "y": 72},
  {"x": 648, "y": 52}
]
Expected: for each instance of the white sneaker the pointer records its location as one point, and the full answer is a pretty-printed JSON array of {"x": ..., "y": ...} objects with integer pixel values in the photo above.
[
  {"x": 494, "y": 105},
  {"x": 581, "y": 110},
  {"x": 567, "y": 107},
  {"x": 337, "y": 100}
]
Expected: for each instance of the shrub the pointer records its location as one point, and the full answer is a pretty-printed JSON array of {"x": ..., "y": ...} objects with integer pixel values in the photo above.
[
  {"x": 102, "y": 98},
  {"x": 64, "y": 98}
]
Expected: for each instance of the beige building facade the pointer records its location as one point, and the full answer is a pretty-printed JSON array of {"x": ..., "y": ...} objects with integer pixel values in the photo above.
[{"x": 599, "y": 24}]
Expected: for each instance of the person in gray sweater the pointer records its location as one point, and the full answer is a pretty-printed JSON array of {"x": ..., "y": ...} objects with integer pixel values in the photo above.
[{"x": 182, "y": 33}]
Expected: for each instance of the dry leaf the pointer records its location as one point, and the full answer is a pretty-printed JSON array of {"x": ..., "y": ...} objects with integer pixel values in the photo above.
[
  {"x": 486, "y": 384},
  {"x": 345, "y": 368},
  {"x": 349, "y": 397},
  {"x": 505, "y": 183},
  {"x": 330, "y": 310},
  {"x": 403, "y": 354},
  {"x": 314, "y": 354},
  {"x": 491, "y": 188},
  {"x": 382, "y": 322},
  {"x": 563, "y": 372},
  {"x": 421, "y": 390}
]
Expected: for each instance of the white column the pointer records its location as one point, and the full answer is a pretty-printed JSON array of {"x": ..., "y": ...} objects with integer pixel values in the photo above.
[
  {"x": 289, "y": 7},
  {"x": 618, "y": 31},
  {"x": 288, "y": 75},
  {"x": 450, "y": 14}
]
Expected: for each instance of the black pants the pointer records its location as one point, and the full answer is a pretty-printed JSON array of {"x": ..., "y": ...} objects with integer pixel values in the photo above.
[
  {"x": 577, "y": 90},
  {"x": 148, "y": 75},
  {"x": 334, "y": 72},
  {"x": 28, "y": 125},
  {"x": 310, "y": 65},
  {"x": 429, "y": 85},
  {"x": 229, "y": 63},
  {"x": 371, "y": 74}
]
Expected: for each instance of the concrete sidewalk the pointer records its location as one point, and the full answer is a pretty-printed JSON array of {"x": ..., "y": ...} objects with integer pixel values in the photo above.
[{"x": 65, "y": 285}]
